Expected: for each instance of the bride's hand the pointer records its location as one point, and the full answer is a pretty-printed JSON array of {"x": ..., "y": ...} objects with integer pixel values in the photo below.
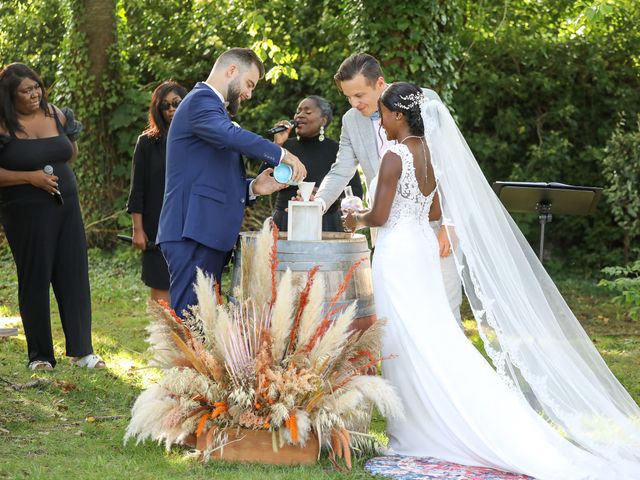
[
  {"x": 351, "y": 220},
  {"x": 444, "y": 242}
]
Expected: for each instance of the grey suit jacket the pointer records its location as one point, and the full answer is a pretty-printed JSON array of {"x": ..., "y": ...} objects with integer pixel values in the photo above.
[{"x": 358, "y": 146}]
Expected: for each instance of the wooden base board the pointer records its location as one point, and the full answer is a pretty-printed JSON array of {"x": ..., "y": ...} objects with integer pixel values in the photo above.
[{"x": 255, "y": 446}]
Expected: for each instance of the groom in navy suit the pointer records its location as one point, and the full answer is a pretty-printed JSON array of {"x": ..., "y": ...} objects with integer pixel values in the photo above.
[{"x": 206, "y": 189}]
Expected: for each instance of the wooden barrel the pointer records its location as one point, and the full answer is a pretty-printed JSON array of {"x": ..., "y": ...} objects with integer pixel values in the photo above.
[{"x": 335, "y": 254}]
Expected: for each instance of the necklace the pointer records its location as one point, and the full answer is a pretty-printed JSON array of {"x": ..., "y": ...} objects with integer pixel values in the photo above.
[{"x": 409, "y": 136}]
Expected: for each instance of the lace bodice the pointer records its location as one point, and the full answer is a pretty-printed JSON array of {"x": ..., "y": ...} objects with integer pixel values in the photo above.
[{"x": 409, "y": 203}]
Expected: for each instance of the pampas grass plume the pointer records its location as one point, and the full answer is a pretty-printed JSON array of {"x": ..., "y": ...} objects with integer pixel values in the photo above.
[
  {"x": 259, "y": 286},
  {"x": 312, "y": 314},
  {"x": 282, "y": 318},
  {"x": 207, "y": 303},
  {"x": 330, "y": 344},
  {"x": 148, "y": 414}
]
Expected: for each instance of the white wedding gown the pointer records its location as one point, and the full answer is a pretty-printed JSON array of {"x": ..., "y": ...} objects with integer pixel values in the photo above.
[{"x": 456, "y": 406}]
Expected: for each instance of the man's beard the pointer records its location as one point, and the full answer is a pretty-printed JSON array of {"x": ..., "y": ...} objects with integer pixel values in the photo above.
[{"x": 233, "y": 97}]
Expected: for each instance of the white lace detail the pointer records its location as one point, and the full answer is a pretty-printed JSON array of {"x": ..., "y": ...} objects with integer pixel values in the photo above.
[
  {"x": 505, "y": 355},
  {"x": 430, "y": 118},
  {"x": 409, "y": 203},
  {"x": 535, "y": 342}
]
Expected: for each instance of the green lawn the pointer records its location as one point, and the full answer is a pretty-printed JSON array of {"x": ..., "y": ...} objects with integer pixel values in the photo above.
[{"x": 44, "y": 432}]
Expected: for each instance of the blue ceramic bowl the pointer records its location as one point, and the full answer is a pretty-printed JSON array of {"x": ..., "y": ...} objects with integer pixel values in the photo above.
[{"x": 283, "y": 173}]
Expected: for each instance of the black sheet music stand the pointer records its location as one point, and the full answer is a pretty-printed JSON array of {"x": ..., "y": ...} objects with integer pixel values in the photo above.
[{"x": 547, "y": 199}]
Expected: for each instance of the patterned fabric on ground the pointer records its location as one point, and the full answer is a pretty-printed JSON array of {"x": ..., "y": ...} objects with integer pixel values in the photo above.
[{"x": 427, "y": 468}]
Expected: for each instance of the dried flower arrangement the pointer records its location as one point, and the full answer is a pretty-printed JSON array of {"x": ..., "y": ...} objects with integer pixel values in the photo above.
[{"x": 276, "y": 360}]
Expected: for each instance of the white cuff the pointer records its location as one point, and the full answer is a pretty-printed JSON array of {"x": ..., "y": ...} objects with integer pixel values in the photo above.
[
  {"x": 282, "y": 155},
  {"x": 322, "y": 202},
  {"x": 252, "y": 196}
]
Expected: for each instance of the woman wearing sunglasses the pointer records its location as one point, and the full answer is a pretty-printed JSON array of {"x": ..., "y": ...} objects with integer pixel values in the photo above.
[{"x": 147, "y": 186}]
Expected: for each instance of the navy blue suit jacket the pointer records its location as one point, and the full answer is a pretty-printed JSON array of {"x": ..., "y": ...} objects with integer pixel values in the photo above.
[{"x": 206, "y": 189}]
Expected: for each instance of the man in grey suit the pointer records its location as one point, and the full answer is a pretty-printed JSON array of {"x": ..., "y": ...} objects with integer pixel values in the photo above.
[{"x": 362, "y": 142}]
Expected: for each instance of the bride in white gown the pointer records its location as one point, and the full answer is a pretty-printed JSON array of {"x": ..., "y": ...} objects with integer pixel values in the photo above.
[{"x": 551, "y": 409}]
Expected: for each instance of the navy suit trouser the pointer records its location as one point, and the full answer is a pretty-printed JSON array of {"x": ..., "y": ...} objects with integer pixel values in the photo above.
[{"x": 183, "y": 257}]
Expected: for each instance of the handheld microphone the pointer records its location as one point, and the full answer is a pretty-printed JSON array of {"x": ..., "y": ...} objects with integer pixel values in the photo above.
[
  {"x": 48, "y": 169},
  {"x": 151, "y": 245},
  {"x": 282, "y": 128}
]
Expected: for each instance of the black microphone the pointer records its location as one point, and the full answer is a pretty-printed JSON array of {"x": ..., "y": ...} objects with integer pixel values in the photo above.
[
  {"x": 151, "y": 245},
  {"x": 48, "y": 169},
  {"x": 282, "y": 128}
]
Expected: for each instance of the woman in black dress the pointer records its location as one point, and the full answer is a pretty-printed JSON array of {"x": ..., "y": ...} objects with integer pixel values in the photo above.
[
  {"x": 40, "y": 213},
  {"x": 317, "y": 152},
  {"x": 147, "y": 186}
]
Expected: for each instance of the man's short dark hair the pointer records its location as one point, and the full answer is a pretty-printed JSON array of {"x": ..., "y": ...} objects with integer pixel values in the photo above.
[
  {"x": 359, "y": 63},
  {"x": 244, "y": 57}
]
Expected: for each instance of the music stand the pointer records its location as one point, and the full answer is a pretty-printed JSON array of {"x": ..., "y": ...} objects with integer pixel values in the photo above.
[{"x": 547, "y": 199}]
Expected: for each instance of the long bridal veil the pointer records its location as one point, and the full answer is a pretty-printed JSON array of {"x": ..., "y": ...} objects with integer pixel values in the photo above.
[{"x": 534, "y": 340}]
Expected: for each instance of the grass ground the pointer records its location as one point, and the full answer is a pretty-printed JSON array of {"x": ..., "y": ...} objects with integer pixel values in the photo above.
[{"x": 73, "y": 426}]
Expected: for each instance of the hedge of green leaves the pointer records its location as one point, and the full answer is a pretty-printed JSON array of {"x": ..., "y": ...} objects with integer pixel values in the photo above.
[
  {"x": 541, "y": 90},
  {"x": 538, "y": 87}
]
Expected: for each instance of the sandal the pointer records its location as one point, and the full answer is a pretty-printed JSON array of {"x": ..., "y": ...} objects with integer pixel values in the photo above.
[
  {"x": 90, "y": 361},
  {"x": 40, "y": 365}
]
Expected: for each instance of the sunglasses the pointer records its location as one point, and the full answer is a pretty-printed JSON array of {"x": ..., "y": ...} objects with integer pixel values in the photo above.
[{"x": 166, "y": 105}]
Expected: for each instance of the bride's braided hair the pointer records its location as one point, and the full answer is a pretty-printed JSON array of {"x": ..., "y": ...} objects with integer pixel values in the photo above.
[{"x": 405, "y": 98}]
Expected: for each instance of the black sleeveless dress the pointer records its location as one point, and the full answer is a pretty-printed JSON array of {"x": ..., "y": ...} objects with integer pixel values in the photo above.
[{"x": 48, "y": 244}]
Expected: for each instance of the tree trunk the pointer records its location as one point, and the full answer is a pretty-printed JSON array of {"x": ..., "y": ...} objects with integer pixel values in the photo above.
[
  {"x": 90, "y": 82},
  {"x": 98, "y": 22},
  {"x": 626, "y": 247}
]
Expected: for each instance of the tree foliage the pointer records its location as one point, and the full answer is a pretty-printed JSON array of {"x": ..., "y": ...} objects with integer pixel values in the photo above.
[
  {"x": 541, "y": 87},
  {"x": 625, "y": 282},
  {"x": 537, "y": 86},
  {"x": 621, "y": 168},
  {"x": 21, "y": 22},
  {"x": 416, "y": 41}
]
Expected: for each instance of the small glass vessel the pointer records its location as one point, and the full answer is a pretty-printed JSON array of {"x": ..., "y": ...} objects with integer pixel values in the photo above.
[{"x": 350, "y": 201}]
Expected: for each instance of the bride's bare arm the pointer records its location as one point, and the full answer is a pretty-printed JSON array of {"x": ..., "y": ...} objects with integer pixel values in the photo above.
[
  {"x": 434, "y": 212},
  {"x": 446, "y": 234},
  {"x": 390, "y": 170}
]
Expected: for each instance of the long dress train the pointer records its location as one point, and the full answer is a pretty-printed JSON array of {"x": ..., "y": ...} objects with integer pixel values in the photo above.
[{"x": 457, "y": 407}]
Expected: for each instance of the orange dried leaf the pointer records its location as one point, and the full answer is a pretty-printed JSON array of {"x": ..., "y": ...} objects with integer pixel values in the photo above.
[
  {"x": 344, "y": 434},
  {"x": 201, "y": 424},
  {"x": 274, "y": 263},
  {"x": 189, "y": 354},
  {"x": 302, "y": 304},
  {"x": 293, "y": 428},
  {"x": 336, "y": 444},
  {"x": 326, "y": 321}
]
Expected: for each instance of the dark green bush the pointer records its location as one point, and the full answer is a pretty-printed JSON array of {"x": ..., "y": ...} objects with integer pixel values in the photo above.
[
  {"x": 537, "y": 87},
  {"x": 540, "y": 92},
  {"x": 625, "y": 282}
]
